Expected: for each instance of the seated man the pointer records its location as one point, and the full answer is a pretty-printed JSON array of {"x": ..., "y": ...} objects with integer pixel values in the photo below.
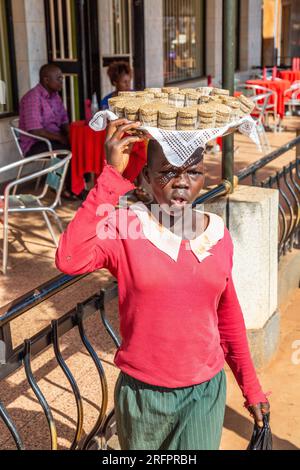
[{"x": 42, "y": 113}]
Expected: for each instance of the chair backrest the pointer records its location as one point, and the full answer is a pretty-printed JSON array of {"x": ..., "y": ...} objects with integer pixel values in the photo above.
[
  {"x": 17, "y": 133},
  {"x": 15, "y": 123},
  {"x": 54, "y": 178},
  {"x": 14, "y": 127},
  {"x": 259, "y": 95},
  {"x": 56, "y": 171},
  {"x": 296, "y": 93}
]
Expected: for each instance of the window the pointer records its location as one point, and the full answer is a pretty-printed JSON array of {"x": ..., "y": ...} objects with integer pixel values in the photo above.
[
  {"x": 62, "y": 22},
  {"x": 184, "y": 32},
  {"x": 8, "y": 96},
  {"x": 121, "y": 26}
]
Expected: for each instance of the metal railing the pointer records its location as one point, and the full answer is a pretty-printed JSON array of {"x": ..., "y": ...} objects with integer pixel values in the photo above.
[
  {"x": 14, "y": 358},
  {"x": 287, "y": 181}
]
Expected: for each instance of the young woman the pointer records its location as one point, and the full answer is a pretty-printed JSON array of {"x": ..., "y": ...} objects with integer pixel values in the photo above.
[
  {"x": 180, "y": 318},
  {"x": 120, "y": 76}
]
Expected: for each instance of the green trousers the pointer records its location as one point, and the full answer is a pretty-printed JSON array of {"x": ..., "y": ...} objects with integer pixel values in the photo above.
[{"x": 158, "y": 418}]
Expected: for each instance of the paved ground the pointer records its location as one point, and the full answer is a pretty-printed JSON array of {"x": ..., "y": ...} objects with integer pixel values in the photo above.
[{"x": 31, "y": 263}]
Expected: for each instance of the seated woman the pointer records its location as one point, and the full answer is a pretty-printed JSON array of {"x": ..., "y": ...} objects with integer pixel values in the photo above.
[
  {"x": 180, "y": 318},
  {"x": 120, "y": 75}
]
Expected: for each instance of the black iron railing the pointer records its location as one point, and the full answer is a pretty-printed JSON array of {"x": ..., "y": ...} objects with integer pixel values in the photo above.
[
  {"x": 14, "y": 358},
  {"x": 287, "y": 181}
]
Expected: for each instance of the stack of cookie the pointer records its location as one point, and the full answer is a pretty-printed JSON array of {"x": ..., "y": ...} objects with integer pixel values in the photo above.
[
  {"x": 153, "y": 90},
  {"x": 148, "y": 115},
  {"x": 119, "y": 108},
  {"x": 183, "y": 109},
  {"x": 204, "y": 90},
  {"x": 167, "y": 118},
  {"x": 187, "y": 119},
  {"x": 247, "y": 106},
  {"x": 132, "y": 110},
  {"x": 222, "y": 115},
  {"x": 161, "y": 97},
  {"x": 219, "y": 92},
  {"x": 177, "y": 100},
  {"x": 192, "y": 98},
  {"x": 206, "y": 116},
  {"x": 234, "y": 104},
  {"x": 127, "y": 94},
  {"x": 168, "y": 89}
]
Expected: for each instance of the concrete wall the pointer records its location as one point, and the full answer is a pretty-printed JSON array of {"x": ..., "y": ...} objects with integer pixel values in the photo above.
[
  {"x": 30, "y": 41},
  {"x": 106, "y": 42},
  {"x": 154, "y": 43},
  {"x": 214, "y": 11},
  {"x": 250, "y": 39}
]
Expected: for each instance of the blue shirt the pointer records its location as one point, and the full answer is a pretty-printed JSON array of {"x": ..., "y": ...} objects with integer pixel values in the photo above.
[{"x": 104, "y": 101}]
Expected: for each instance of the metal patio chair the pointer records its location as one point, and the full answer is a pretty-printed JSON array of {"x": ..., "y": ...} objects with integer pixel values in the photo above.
[
  {"x": 17, "y": 133},
  {"x": 270, "y": 109},
  {"x": 261, "y": 102},
  {"x": 55, "y": 173},
  {"x": 294, "y": 100}
]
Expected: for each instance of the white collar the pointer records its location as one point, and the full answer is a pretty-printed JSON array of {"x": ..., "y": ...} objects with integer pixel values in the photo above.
[{"x": 170, "y": 243}]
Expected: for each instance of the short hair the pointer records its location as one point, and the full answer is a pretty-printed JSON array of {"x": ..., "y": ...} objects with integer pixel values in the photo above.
[
  {"x": 45, "y": 69},
  {"x": 117, "y": 69}
]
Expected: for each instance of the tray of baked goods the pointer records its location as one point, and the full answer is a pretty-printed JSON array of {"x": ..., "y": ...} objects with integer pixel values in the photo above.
[{"x": 188, "y": 109}]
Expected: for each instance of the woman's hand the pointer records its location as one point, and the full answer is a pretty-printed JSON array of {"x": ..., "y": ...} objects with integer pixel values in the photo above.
[
  {"x": 257, "y": 411},
  {"x": 118, "y": 147}
]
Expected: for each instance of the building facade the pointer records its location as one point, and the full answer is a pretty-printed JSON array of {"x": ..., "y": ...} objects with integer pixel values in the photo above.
[
  {"x": 281, "y": 31},
  {"x": 165, "y": 41}
]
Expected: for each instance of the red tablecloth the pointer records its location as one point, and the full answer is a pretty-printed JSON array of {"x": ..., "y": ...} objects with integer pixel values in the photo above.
[
  {"x": 289, "y": 75},
  {"x": 88, "y": 155},
  {"x": 280, "y": 86}
]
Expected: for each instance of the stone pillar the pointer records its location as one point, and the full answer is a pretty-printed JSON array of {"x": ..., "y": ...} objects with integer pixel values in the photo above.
[
  {"x": 30, "y": 41},
  {"x": 250, "y": 34},
  {"x": 154, "y": 43},
  {"x": 253, "y": 223},
  {"x": 105, "y": 41},
  {"x": 214, "y": 15}
]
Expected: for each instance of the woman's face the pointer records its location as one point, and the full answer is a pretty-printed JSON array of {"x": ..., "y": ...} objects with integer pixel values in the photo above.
[
  {"x": 123, "y": 83},
  {"x": 171, "y": 186}
]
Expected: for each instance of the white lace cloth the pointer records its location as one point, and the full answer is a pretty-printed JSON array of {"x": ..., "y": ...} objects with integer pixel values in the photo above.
[{"x": 179, "y": 146}]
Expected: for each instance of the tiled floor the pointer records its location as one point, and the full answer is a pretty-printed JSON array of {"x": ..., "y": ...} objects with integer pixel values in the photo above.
[{"x": 31, "y": 255}]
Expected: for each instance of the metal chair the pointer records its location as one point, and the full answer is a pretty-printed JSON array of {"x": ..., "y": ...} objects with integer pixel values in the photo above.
[
  {"x": 17, "y": 133},
  {"x": 55, "y": 172},
  {"x": 271, "y": 108},
  {"x": 261, "y": 102},
  {"x": 294, "y": 100},
  {"x": 260, "y": 108}
]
